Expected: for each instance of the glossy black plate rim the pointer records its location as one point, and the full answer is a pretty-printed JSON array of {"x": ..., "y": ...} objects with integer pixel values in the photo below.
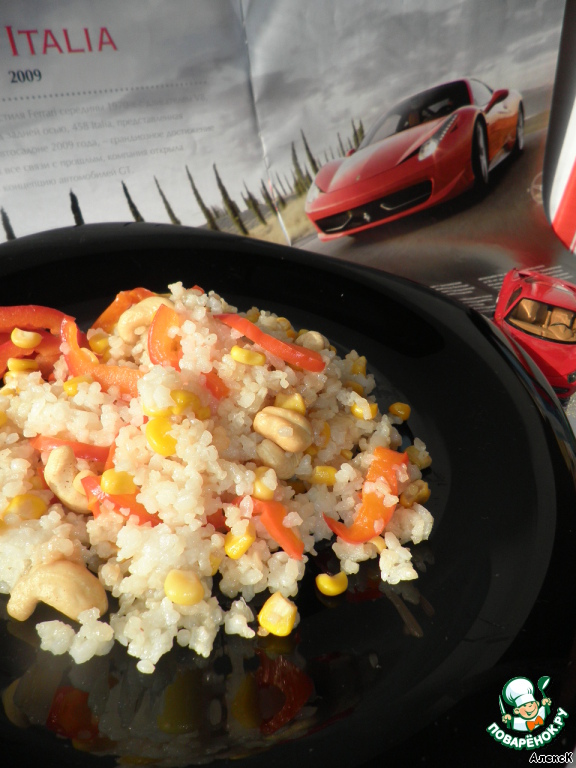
[{"x": 75, "y": 248}]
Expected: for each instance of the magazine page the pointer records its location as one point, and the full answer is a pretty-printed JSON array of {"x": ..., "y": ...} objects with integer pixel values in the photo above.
[
  {"x": 127, "y": 111},
  {"x": 379, "y": 190}
]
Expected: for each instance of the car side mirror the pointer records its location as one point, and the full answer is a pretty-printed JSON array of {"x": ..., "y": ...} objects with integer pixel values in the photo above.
[
  {"x": 497, "y": 97},
  {"x": 350, "y": 152}
]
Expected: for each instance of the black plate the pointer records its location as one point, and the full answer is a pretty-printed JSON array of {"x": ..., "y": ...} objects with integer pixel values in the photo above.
[{"x": 494, "y": 599}]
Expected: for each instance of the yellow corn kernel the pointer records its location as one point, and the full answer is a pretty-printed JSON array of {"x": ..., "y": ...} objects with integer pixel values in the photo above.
[
  {"x": 402, "y": 410},
  {"x": 323, "y": 475},
  {"x": 301, "y": 332},
  {"x": 183, "y": 711},
  {"x": 247, "y": 356},
  {"x": 278, "y": 615},
  {"x": 183, "y": 587},
  {"x": 21, "y": 365},
  {"x": 215, "y": 561},
  {"x": 293, "y": 402},
  {"x": 324, "y": 436},
  {"x": 203, "y": 413},
  {"x": 184, "y": 400},
  {"x": 346, "y": 454},
  {"x": 291, "y": 333},
  {"x": 379, "y": 543},
  {"x": 245, "y": 707},
  {"x": 312, "y": 450},
  {"x": 25, "y": 339},
  {"x": 417, "y": 492},
  {"x": 298, "y": 486},
  {"x": 253, "y": 315},
  {"x": 332, "y": 348},
  {"x": 284, "y": 323},
  {"x": 158, "y": 437},
  {"x": 355, "y": 387},
  {"x": 332, "y": 585},
  {"x": 358, "y": 410},
  {"x": 115, "y": 482},
  {"x": 261, "y": 490},
  {"x": 28, "y": 506},
  {"x": 421, "y": 458},
  {"x": 359, "y": 366},
  {"x": 3, "y": 418},
  {"x": 71, "y": 386},
  {"x": 235, "y": 546},
  {"x": 99, "y": 343}
]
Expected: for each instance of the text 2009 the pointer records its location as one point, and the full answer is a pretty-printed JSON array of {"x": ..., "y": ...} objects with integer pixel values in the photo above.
[{"x": 18, "y": 76}]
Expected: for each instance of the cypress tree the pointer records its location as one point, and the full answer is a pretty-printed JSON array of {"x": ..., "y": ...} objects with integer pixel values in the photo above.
[
  {"x": 341, "y": 147},
  {"x": 253, "y": 205},
  {"x": 209, "y": 215},
  {"x": 311, "y": 159},
  {"x": 268, "y": 199},
  {"x": 7, "y": 225},
  {"x": 300, "y": 181},
  {"x": 75, "y": 207},
  {"x": 361, "y": 132},
  {"x": 355, "y": 135},
  {"x": 171, "y": 215},
  {"x": 133, "y": 210},
  {"x": 229, "y": 205},
  {"x": 281, "y": 202}
]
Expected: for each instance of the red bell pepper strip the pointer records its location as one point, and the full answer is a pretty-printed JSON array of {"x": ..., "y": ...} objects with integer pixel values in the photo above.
[
  {"x": 290, "y": 680},
  {"x": 123, "y": 301},
  {"x": 293, "y": 354},
  {"x": 31, "y": 317},
  {"x": 218, "y": 520},
  {"x": 164, "y": 349},
  {"x": 272, "y": 514},
  {"x": 69, "y": 715},
  {"x": 215, "y": 385},
  {"x": 373, "y": 515},
  {"x": 121, "y": 502},
  {"x": 81, "y": 450},
  {"x": 80, "y": 362}
]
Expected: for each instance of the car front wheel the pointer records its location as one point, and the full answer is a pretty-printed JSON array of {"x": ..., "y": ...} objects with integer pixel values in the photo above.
[{"x": 519, "y": 143}]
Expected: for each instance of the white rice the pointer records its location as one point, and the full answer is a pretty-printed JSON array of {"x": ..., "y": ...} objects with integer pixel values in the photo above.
[{"x": 212, "y": 468}]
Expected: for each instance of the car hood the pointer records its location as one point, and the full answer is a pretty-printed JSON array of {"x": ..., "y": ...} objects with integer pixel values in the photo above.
[{"x": 381, "y": 156}]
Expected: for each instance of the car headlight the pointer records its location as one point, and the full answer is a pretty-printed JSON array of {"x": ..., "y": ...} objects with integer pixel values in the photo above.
[
  {"x": 313, "y": 193},
  {"x": 431, "y": 145},
  {"x": 572, "y": 377}
]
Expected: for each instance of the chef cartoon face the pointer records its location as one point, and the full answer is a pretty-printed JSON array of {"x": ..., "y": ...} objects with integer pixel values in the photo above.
[
  {"x": 527, "y": 710},
  {"x": 529, "y": 714}
]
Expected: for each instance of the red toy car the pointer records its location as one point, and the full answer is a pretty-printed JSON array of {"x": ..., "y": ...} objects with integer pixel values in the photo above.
[
  {"x": 538, "y": 313},
  {"x": 425, "y": 150}
]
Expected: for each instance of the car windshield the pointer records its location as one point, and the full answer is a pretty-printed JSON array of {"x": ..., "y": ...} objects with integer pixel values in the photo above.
[
  {"x": 544, "y": 320},
  {"x": 421, "y": 108}
]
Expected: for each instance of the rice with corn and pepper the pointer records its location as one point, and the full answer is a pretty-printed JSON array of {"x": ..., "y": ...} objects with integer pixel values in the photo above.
[{"x": 199, "y": 553}]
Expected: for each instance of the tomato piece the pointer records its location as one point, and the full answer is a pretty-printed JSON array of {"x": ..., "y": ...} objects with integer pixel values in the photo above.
[
  {"x": 373, "y": 515},
  {"x": 293, "y": 354},
  {"x": 121, "y": 502},
  {"x": 123, "y": 301},
  {"x": 215, "y": 385},
  {"x": 290, "y": 680},
  {"x": 69, "y": 715},
  {"x": 163, "y": 348},
  {"x": 81, "y": 450},
  {"x": 81, "y": 362},
  {"x": 31, "y": 317},
  {"x": 272, "y": 514}
]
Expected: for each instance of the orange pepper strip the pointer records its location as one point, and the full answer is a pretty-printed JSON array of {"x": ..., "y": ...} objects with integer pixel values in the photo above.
[
  {"x": 69, "y": 715},
  {"x": 163, "y": 348},
  {"x": 123, "y": 301},
  {"x": 373, "y": 515},
  {"x": 272, "y": 514},
  {"x": 80, "y": 362},
  {"x": 81, "y": 450},
  {"x": 121, "y": 502},
  {"x": 215, "y": 385},
  {"x": 293, "y": 354}
]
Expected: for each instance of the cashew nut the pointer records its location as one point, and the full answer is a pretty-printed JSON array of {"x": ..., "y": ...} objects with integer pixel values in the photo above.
[
  {"x": 139, "y": 316},
  {"x": 312, "y": 340},
  {"x": 271, "y": 455},
  {"x": 287, "y": 428},
  {"x": 59, "y": 473},
  {"x": 64, "y": 585}
]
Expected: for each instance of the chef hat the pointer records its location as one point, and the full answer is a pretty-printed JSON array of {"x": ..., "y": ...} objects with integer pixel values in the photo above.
[{"x": 518, "y": 691}]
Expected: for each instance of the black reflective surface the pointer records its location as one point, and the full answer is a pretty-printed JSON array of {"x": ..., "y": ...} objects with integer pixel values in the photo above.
[{"x": 409, "y": 675}]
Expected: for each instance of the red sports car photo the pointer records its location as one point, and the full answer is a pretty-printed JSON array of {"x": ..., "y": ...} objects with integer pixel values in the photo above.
[
  {"x": 538, "y": 313},
  {"x": 427, "y": 149}
]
